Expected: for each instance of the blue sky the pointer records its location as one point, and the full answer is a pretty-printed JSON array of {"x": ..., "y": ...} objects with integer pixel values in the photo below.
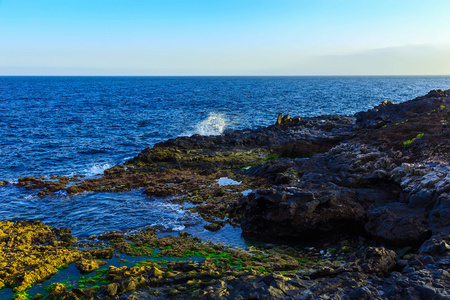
[{"x": 215, "y": 37}]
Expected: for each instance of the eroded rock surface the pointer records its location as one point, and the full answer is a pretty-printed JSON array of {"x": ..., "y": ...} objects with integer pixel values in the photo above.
[{"x": 391, "y": 179}]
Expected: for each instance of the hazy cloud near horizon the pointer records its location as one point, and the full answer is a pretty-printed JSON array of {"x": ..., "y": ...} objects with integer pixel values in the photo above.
[{"x": 405, "y": 60}]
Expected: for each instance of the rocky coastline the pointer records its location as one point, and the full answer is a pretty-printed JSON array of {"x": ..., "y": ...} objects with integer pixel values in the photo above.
[{"x": 369, "y": 191}]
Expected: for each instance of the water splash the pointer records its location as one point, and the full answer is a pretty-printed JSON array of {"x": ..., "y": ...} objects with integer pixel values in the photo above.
[
  {"x": 214, "y": 124},
  {"x": 96, "y": 169}
]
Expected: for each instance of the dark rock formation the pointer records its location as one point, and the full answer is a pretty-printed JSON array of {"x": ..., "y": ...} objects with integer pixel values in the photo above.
[{"x": 389, "y": 176}]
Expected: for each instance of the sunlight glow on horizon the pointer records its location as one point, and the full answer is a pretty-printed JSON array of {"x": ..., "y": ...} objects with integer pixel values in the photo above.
[{"x": 247, "y": 37}]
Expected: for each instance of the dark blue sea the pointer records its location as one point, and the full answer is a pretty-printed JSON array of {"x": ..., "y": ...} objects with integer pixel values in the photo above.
[{"x": 83, "y": 125}]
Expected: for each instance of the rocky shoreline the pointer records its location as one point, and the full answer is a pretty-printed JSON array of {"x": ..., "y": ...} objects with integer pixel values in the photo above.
[{"x": 374, "y": 185}]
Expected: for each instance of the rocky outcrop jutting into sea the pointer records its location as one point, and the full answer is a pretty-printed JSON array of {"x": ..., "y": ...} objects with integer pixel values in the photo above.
[{"x": 375, "y": 185}]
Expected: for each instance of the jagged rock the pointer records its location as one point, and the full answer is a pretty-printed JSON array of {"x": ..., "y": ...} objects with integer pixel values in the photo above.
[
  {"x": 215, "y": 226},
  {"x": 279, "y": 119},
  {"x": 284, "y": 120}
]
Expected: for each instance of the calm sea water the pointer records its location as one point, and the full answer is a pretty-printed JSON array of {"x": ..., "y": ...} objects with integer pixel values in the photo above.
[{"x": 82, "y": 125}]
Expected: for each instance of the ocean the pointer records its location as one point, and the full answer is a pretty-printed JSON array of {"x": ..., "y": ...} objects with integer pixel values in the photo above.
[{"x": 84, "y": 125}]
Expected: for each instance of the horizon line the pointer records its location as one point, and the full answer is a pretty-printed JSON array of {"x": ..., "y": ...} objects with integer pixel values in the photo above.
[{"x": 397, "y": 75}]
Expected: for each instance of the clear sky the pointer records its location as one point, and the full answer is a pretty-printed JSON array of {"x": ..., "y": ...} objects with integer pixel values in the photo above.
[{"x": 232, "y": 37}]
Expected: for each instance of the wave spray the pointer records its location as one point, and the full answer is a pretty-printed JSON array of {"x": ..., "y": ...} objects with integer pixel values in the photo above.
[{"x": 214, "y": 124}]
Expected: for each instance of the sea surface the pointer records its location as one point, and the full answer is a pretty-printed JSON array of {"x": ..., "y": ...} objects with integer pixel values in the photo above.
[{"x": 83, "y": 125}]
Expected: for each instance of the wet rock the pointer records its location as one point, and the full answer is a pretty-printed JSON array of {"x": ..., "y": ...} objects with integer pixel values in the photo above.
[
  {"x": 214, "y": 226},
  {"x": 89, "y": 265},
  {"x": 57, "y": 289},
  {"x": 111, "y": 236}
]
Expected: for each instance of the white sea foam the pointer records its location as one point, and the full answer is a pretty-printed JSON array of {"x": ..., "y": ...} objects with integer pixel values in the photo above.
[
  {"x": 96, "y": 169},
  {"x": 178, "y": 227},
  {"x": 11, "y": 180},
  {"x": 246, "y": 192},
  {"x": 61, "y": 193},
  {"x": 223, "y": 181},
  {"x": 214, "y": 124}
]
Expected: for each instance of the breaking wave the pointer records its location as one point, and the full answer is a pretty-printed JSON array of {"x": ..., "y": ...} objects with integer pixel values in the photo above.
[
  {"x": 214, "y": 124},
  {"x": 97, "y": 169}
]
